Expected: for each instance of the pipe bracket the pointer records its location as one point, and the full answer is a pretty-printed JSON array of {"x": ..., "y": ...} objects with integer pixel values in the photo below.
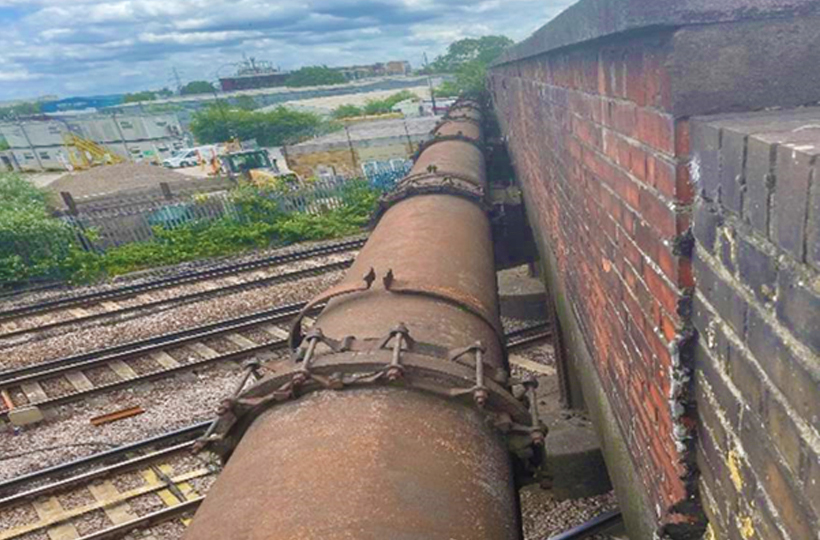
[{"x": 394, "y": 360}]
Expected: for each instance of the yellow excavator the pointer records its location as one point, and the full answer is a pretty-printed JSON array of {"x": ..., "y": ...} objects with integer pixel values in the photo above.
[
  {"x": 257, "y": 167},
  {"x": 87, "y": 153}
]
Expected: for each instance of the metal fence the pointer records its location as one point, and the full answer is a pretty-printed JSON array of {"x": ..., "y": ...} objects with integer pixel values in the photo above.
[{"x": 102, "y": 228}]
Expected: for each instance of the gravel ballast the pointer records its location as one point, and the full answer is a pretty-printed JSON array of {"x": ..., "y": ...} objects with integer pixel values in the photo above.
[{"x": 183, "y": 400}]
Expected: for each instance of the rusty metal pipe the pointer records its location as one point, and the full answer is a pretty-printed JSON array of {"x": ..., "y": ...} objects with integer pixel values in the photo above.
[{"x": 387, "y": 462}]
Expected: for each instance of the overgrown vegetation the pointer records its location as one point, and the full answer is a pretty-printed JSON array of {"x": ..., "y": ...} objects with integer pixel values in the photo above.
[
  {"x": 314, "y": 76},
  {"x": 197, "y": 87},
  {"x": 32, "y": 243},
  {"x": 219, "y": 123},
  {"x": 20, "y": 109},
  {"x": 373, "y": 106},
  {"x": 137, "y": 97},
  {"x": 447, "y": 89},
  {"x": 468, "y": 60},
  {"x": 35, "y": 245}
]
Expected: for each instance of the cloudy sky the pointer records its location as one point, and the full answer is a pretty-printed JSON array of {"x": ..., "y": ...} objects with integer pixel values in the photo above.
[{"x": 87, "y": 47}]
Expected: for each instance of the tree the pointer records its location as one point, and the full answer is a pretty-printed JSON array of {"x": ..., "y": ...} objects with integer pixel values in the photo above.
[
  {"x": 20, "y": 109},
  {"x": 468, "y": 59},
  {"x": 217, "y": 123},
  {"x": 136, "y": 97},
  {"x": 245, "y": 103},
  {"x": 33, "y": 241},
  {"x": 446, "y": 89},
  {"x": 373, "y": 106},
  {"x": 314, "y": 76},
  {"x": 484, "y": 50},
  {"x": 197, "y": 87}
]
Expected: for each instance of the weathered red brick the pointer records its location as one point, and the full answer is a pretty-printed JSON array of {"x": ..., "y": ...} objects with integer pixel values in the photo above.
[
  {"x": 656, "y": 129},
  {"x": 658, "y": 214},
  {"x": 660, "y": 289},
  {"x": 660, "y": 174}
]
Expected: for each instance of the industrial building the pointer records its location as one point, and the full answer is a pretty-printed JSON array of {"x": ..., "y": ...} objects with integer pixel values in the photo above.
[
  {"x": 251, "y": 74},
  {"x": 364, "y": 148},
  {"x": 379, "y": 69},
  {"x": 51, "y": 144}
]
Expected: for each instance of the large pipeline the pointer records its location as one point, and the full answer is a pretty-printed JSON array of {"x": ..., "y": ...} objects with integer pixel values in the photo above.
[{"x": 397, "y": 418}]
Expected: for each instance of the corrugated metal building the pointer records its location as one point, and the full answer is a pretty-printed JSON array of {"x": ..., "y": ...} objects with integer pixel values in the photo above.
[{"x": 41, "y": 145}]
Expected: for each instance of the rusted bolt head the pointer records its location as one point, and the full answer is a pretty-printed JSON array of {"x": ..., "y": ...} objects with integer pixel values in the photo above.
[
  {"x": 224, "y": 406},
  {"x": 480, "y": 397},
  {"x": 394, "y": 373}
]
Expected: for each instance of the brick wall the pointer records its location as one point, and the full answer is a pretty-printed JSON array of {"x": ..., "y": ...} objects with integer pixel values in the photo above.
[
  {"x": 757, "y": 310},
  {"x": 603, "y": 166}
]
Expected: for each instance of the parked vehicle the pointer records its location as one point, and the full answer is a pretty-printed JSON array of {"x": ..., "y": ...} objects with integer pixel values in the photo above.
[
  {"x": 256, "y": 166},
  {"x": 190, "y": 157}
]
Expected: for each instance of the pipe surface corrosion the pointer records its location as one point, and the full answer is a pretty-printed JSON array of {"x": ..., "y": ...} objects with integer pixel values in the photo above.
[{"x": 380, "y": 429}]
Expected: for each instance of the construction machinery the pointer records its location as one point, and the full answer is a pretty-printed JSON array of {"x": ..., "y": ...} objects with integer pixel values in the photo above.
[
  {"x": 84, "y": 153},
  {"x": 257, "y": 167}
]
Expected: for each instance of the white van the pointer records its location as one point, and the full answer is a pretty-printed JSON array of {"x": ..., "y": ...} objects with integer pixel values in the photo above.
[{"x": 189, "y": 157}]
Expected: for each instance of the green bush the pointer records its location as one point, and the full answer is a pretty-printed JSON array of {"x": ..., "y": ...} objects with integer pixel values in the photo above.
[
  {"x": 373, "y": 106},
  {"x": 35, "y": 244},
  {"x": 219, "y": 123},
  {"x": 32, "y": 243}
]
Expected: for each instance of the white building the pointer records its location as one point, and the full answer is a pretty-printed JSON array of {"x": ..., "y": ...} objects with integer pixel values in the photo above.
[{"x": 41, "y": 144}]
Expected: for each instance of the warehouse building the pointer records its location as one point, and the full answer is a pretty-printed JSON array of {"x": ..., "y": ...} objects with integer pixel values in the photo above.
[{"x": 46, "y": 144}]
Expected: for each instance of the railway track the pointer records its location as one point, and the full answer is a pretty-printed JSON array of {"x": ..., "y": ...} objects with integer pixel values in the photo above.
[
  {"x": 70, "y": 379},
  {"x": 160, "y": 471},
  {"x": 40, "y": 494},
  {"x": 111, "y": 303},
  {"x": 60, "y": 381}
]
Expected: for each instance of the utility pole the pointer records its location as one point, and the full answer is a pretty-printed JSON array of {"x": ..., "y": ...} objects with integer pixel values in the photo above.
[
  {"x": 178, "y": 81},
  {"x": 409, "y": 142},
  {"x": 430, "y": 84},
  {"x": 352, "y": 152}
]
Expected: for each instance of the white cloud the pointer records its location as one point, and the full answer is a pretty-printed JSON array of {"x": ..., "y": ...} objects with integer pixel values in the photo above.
[
  {"x": 16, "y": 75},
  {"x": 99, "y": 46}
]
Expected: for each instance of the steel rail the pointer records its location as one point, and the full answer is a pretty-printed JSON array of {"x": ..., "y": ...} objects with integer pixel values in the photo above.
[
  {"x": 595, "y": 525},
  {"x": 134, "y": 349},
  {"x": 96, "y": 473},
  {"x": 162, "y": 373},
  {"x": 517, "y": 338},
  {"x": 193, "y": 431},
  {"x": 289, "y": 276},
  {"x": 138, "y": 288},
  {"x": 158, "y": 374},
  {"x": 147, "y": 520}
]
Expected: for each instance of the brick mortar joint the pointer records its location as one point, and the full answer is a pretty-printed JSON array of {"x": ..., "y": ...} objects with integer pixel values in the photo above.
[
  {"x": 678, "y": 207},
  {"x": 736, "y": 445},
  {"x": 784, "y": 261},
  {"x": 809, "y": 435},
  {"x": 684, "y": 519},
  {"x": 765, "y": 244}
]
